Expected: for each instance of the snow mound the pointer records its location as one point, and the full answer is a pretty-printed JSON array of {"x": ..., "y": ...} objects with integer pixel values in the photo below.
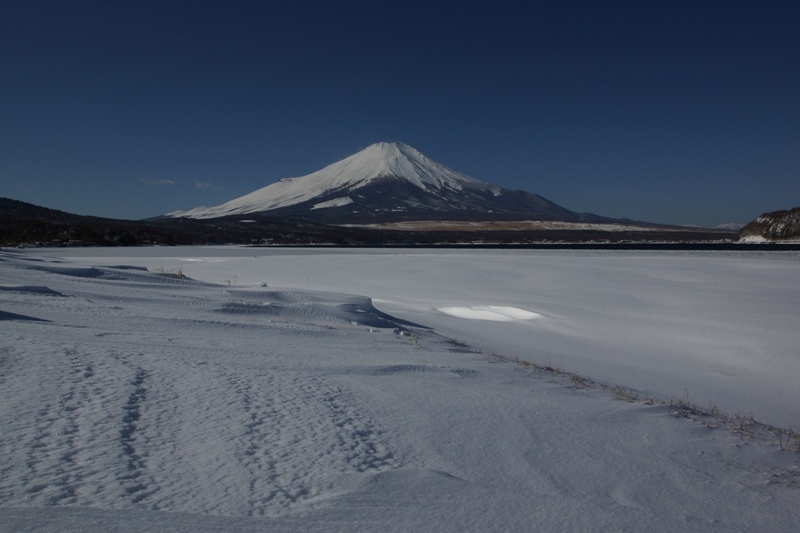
[
  {"x": 5, "y": 315},
  {"x": 311, "y": 306},
  {"x": 494, "y": 313},
  {"x": 78, "y": 272},
  {"x": 31, "y": 289}
]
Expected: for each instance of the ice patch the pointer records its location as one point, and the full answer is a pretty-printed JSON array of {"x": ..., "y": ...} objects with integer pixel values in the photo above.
[{"x": 495, "y": 313}]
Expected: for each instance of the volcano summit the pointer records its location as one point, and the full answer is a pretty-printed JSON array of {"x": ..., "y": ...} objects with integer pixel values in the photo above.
[{"x": 389, "y": 182}]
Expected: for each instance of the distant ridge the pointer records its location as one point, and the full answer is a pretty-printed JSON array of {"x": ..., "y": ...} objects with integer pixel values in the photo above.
[
  {"x": 389, "y": 182},
  {"x": 24, "y": 224}
]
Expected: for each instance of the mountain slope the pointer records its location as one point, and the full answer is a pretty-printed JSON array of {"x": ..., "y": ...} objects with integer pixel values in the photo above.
[
  {"x": 389, "y": 182},
  {"x": 774, "y": 226}
]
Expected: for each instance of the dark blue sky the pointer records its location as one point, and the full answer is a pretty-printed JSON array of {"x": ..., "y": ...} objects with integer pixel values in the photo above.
[{"x": 675, "y": 112}]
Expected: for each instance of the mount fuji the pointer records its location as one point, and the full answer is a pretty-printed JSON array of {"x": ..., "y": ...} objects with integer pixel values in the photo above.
[{"x": 389, "y": 182}]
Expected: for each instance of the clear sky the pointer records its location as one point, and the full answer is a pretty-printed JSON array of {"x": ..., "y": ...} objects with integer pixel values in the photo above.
[{"x": 683, "y": 112}]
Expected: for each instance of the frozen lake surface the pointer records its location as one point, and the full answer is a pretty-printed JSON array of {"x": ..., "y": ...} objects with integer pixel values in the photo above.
[{"x": 248, "y": 389}]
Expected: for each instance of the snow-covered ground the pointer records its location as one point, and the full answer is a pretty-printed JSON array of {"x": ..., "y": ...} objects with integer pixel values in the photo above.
[{"x": 213, "y": 389}]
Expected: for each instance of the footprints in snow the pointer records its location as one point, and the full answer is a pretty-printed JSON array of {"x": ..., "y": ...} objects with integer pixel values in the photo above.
[
  {"x": 89, "y": 408},
  {"x": 114, "y": 427},
  {"x": 288, "y": 417}
]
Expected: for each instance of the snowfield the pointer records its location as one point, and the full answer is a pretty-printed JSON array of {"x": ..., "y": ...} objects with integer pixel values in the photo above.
[{"x": 241, "y": 389}]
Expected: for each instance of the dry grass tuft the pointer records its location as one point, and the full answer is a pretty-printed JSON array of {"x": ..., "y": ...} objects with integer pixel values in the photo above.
[{"x": 176, "y": 273}]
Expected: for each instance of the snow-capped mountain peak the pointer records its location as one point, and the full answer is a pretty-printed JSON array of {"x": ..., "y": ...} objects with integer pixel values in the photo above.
[
  {"x": 387, "y": 181},
  {"x": 403, "y": 161},
  {"x": 381, "y": 160}
]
